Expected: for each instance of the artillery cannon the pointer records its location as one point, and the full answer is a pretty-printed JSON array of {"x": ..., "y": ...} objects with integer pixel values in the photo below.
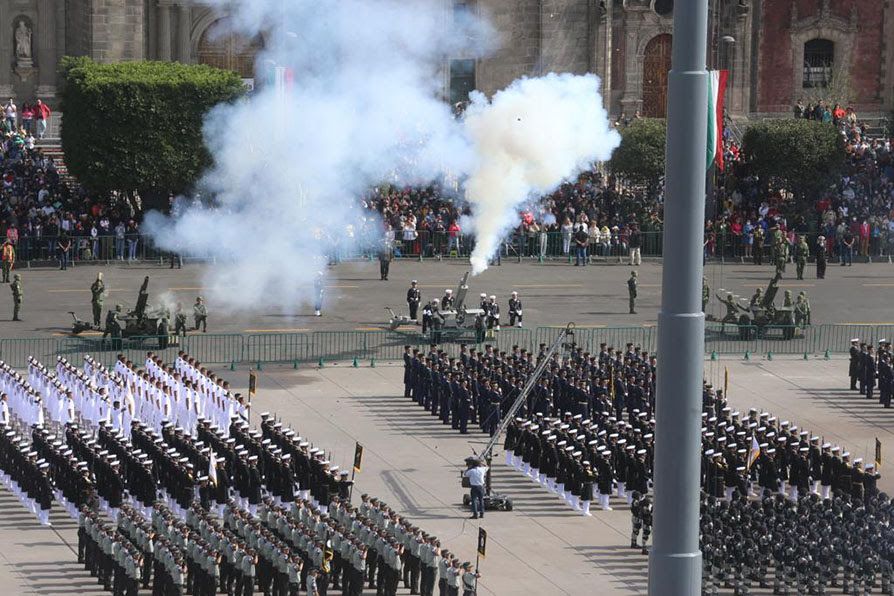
[
  {"x": 139, "y": 321},
  {"x": 756, "y": 319},
  {"x": 135, "y": 323},
  {"x": 458, "y": 317}
]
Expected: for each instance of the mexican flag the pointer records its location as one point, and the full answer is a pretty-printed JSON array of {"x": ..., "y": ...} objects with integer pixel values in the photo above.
[{"x": 716, "y": 92}]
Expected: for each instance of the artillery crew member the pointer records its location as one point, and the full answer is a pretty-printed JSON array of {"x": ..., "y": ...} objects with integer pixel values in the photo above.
[
  {"x": 414, "y": 296},
  {"x": 447, "y": 300},
  {"x": 179, "y": 320},
  {"x": 98, "y": 291},
  {"x": 631, "y": 292},
  {"x": 515, "y": 310},
  {"x": 200, "y": 314}
]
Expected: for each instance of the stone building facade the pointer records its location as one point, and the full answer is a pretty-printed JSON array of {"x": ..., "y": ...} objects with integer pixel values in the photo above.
[{"x": 777, "y": 51}]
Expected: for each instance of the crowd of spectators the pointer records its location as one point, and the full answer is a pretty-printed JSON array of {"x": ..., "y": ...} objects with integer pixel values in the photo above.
[
  {"x": 855, "y": 216},
  {"x": 48, "y": 216},
  {"x": 431, "y": 220},
  {"x": 43, "y": 215}
]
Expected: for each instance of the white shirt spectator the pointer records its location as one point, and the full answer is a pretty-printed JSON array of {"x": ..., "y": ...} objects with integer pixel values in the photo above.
[{"x": 476, "y": 475}]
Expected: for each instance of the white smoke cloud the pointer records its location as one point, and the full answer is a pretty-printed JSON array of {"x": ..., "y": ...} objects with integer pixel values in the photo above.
[
  {"x": 365, "y": 107},
  {"x": 528, "y": 139}
]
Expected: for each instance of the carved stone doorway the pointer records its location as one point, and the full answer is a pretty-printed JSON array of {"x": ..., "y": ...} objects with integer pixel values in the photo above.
[
  {"x": 656, "y": 64},
  {"x": 220, "y": 48}
]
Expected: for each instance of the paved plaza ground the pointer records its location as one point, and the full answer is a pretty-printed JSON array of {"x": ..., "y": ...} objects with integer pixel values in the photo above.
[
  {"x": 412, "y": 462},
  {"x": 553, "y": 294}
]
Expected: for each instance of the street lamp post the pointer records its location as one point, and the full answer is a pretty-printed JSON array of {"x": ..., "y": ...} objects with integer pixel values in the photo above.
[{"x": 675, "y": 563}]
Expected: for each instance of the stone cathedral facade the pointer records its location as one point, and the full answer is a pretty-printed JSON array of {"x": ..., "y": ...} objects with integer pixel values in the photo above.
[{"x": 777, "y": 51}]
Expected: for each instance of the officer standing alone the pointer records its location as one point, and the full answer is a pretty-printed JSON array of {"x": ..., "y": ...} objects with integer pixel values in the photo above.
[
  {"x": 17, "y": 296},
  {"x": 631, "y": 292}
]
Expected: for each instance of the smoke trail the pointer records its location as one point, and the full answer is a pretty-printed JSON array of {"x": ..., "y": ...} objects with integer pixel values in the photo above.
[
  {"x": 529, "y": 138},
  {"x": 365, "y": 107},
  {"x": 289, "y": 167}
]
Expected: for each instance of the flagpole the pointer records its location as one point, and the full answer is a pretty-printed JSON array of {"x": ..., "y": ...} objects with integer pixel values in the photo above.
[{"x": 675, "y": 561}]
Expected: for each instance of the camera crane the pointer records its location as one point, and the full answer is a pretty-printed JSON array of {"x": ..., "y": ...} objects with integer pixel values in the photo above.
[{"x": 502, "y": 502}]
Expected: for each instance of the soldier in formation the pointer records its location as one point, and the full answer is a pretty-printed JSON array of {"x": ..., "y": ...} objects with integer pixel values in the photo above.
[
  {"x": 806, "y": 546},
  {"x": 870, "y": 368}
]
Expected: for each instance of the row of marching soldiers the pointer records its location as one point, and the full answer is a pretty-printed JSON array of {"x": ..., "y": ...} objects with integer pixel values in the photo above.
[
  {"x": 807, "y": 546},
  {"x": 124, "y": 470}
]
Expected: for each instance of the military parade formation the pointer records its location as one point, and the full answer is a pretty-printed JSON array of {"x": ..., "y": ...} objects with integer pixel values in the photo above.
[
  {"x": 176, "y": 492},
  {"x": 185, "y": 505},
  {"x": 872, "y": 367}
]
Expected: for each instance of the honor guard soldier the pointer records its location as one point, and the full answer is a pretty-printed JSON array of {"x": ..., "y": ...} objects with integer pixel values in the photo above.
[
  {"x": 854, "y": 367},
  {"x": 869, "y": 372},
  {"x": 885, "y": 379},
  {"x": 414, "y": 296},
  {"x": 515, "y": 310},
  {"x": 469, "y": 579}
]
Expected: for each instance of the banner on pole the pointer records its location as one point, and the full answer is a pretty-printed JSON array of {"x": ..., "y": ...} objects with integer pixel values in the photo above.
[
  {"x": 482, "y": 542},
  {"x": 252, "y": 382},
  {"x": 358, "y": 457},
  {"x": 878, "y": 454}
]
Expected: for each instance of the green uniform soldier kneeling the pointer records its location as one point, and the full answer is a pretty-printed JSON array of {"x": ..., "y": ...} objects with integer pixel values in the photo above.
[
  {"x": 631, "y": 292},
  {"x": 17, "y": 295}
]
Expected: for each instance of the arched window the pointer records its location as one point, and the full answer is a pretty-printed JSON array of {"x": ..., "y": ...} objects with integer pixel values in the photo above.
[
  {"x": 664, "y": 7},
  {"x": 221, "y": 48},
  {"x": 819, "y": 58}
]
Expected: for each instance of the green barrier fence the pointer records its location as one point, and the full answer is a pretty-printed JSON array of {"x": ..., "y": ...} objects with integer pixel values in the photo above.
[{"x": 367, "y": 347}]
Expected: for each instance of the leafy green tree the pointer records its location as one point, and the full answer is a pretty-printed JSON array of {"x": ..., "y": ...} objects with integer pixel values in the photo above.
[
  {"x": 640, "y": 157},
  {"x": 802, "y": 156},
  {"x": 137, "y": 126}
]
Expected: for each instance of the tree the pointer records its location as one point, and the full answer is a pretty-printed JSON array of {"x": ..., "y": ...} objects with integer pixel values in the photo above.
[
  {"x": 640, "y": 157},
  {"x": 137, "y": 126},
  {"x": 803, "y": 156}
]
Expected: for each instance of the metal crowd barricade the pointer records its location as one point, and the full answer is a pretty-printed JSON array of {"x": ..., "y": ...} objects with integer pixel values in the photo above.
[
  {"x": 278, "y": 347},
  {"x": 15, "y": 352},
  {"x": 383, "y": 345}
]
